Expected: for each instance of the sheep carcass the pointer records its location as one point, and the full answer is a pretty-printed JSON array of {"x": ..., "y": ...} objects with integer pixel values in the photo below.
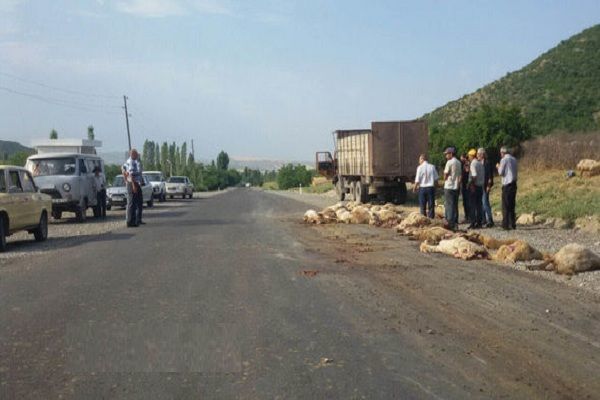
[
  {"x": 312, "y": 217},
  {"x": 458, "y": 247},
  {"x": 413, "y": 220},
  {"x": 517, "y": 251},
  {"x": 571, "y": 259},
  {"x": 360, "y": 215},
  {"x": 432, "y": 235},
  {"x": 488, "y": 242}
]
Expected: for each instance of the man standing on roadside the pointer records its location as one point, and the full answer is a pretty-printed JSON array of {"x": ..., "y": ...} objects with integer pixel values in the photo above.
[
  {"x": 452, "y": 180},
  {"x": 488, "y": 179},
  {"x": 100, "y": 186},
  {"x": 476, "y": 182},
  {"x": 132, "y": 172},
  {"x": 507, "y": 169},
  {"x": 425, "y": 181},
  {"x": 464, "y": 189}
]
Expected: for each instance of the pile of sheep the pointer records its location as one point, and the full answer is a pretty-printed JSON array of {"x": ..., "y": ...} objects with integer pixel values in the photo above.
[{"x": 435, "y": 238}]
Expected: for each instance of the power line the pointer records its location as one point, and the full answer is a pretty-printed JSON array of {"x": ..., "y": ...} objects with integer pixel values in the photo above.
[
  {"x": 59, "y": 89},
  {"x": 60, "y": 102}
]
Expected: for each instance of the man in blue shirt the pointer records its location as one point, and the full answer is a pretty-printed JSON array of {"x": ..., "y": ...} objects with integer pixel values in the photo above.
[
  {"x": 507, "y": 169},
  {"x": 132, "y": 172}
]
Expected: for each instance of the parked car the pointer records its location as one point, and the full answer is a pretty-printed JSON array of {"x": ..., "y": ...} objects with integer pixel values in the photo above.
[
  {"x": 68, "y": 178},
  {"x": 22, "y": 206},
  {"x": 116, "y": 194},
  {"x": 157, "y": 180},
  {"x": 180, "y": 186}
]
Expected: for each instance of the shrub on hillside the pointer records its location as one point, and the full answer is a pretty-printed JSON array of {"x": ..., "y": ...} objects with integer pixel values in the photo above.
[{"x": 560, "y": 150}]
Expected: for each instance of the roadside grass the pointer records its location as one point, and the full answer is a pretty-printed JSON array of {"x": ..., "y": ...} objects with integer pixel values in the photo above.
[
  {"x": 551, "y": 194},
  {"x": 271, "y": 185},
  {"x": 319, "y": 188}
]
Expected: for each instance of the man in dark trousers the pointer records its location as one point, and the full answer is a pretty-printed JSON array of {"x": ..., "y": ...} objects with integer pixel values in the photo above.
[
  {"x": 488, "y": 170},
  {"x": 132, "y": 172},
  {"x": 507, "y": 169}
]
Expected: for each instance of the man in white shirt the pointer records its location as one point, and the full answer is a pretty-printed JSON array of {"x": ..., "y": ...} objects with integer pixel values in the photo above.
[
  {"x": 476, "y": 182},
  {"x": 507, "y": 169},
  {"x": 452, "y": 181},
  {"x": 425, "y": 181}
]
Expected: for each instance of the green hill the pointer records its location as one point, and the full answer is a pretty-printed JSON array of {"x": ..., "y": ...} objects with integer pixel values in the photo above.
[
  {"x": 8, "y": 149},
  {"x": 560, "y": 90}
]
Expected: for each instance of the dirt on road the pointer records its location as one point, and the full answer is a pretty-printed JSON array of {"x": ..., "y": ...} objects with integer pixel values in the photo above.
[{"x": 486, "y": 322}]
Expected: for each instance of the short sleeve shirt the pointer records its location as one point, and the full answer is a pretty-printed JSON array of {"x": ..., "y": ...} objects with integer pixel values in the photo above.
[{"x": 454, "y": 170}]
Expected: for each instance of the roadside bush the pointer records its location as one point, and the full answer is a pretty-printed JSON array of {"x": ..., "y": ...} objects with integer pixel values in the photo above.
[
  {"x": 560, "y": 150},
  {"x": 291, "y": 176}
]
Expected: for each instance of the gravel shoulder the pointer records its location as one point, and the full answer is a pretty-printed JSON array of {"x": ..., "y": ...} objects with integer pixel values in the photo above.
[{"x": 545, "y": 239}]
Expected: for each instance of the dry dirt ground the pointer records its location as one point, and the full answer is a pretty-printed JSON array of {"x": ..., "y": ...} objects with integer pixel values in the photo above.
[{"x": 543, "y": 238}]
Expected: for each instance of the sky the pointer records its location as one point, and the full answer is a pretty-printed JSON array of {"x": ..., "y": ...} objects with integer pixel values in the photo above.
[{"x": 267, "y": 79}]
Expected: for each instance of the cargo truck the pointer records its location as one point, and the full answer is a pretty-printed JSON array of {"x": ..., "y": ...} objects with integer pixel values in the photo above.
[{"x": 376, "y": 162}]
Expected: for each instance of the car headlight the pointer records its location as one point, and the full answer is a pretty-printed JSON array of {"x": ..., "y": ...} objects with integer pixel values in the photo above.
[{"x": 66, "y": 187}]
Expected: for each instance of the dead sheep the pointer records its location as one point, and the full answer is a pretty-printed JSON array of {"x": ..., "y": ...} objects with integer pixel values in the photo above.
[
  {"x": 343, "y": 216},
  {"x": 569, "y": 260},
  {"x": 588, "y": 168},
  {"x": 413, "y": 220},
  {"x": 360, "y": 215},
  {"x": 312, "y": 217},
  {"x": 458, "y": 247},
  {"x": 328, "y": 216},
  {"x": 488, "y": 242},
  {"x": 384, "y": 218},
  {"x": 517, "y": 251},
  {"x": 431, "y": 235}
]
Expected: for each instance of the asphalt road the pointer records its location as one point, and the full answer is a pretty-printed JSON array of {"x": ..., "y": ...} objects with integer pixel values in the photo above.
[{"x": 232, "y": 297}]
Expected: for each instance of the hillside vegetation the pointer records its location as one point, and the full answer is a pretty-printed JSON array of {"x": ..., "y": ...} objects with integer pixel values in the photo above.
[
  {"x": 560, "y": 90},
  {"x": 9, "y": 149}
]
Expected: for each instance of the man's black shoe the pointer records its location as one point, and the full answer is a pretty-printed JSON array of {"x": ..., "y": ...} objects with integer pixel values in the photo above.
[
  {"x": 142, "y": 223},
  {"x": 132, "y": 225},
  {"x": 490, "y": 225}
]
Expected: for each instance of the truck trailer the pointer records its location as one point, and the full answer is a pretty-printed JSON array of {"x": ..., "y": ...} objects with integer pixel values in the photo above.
[{"x": 376, "y": 162}]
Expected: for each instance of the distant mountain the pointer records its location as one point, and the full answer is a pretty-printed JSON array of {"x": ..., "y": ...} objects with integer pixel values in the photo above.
[
  {"x": 8, "y": 148},
  {"x": 559, "y": 90}
]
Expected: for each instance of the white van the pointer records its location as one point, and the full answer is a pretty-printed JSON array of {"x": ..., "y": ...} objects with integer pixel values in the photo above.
[{"x": 69, "y": 179}]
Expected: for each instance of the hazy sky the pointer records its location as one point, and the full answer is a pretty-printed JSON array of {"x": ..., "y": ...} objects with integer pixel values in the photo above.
[{"x": 264, "y": 78}]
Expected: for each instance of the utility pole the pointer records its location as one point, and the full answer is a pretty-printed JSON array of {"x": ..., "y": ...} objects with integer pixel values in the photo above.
[{"x": 127, "y": 121}]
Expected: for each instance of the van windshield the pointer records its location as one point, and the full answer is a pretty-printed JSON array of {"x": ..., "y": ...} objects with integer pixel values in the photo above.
[
  {"x": 153, "y": 177},
  {"x": 51, "y": 166}
]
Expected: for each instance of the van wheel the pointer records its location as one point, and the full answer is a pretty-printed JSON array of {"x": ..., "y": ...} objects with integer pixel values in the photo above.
[
  {"x": 2, "y": 234},
  {"x": 41, "y": 232},
  {"x": 57, "y": 214}
]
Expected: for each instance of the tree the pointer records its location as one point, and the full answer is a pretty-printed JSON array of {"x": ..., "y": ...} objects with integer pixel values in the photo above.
[
  {"x": 53, "y": 134},
  {"x": 183, "y": 155},
  {"x": 223, "y": 161},
  {"x": 291, "y": 176},
  {"x": 90, "y": 132},
  {"x": 164, "y": 156},
  {"x": 148, "y": 155},
  {"x": 157, "y": 156},
  {"x": 19, "y": 158}
]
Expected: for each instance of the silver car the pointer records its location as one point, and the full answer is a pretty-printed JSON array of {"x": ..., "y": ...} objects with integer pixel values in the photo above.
[
  {"x": 180, "y": 186},
  {"x": 116, "y": 194}
]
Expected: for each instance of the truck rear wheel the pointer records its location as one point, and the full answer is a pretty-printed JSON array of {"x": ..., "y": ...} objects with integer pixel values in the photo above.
[
  {"x": 353, "y": 191},
  {"x": 400, "y": 193},
  {"x": 361, "y": 192},
  {"x": 340, "y": 190}
]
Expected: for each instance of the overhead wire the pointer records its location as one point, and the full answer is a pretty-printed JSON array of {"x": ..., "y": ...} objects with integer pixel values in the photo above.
[{"x": 69, "y": 91}]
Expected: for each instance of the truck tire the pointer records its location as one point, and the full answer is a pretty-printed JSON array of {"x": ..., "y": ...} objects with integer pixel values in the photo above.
[
  {"x": 2, "y": 234},
  {"x": 353, "y": 191},
  {"x": 400, "y": 193},
  {"x": 361, "y": 192},
  {"x": 41, "y": 232},
  {"x": 340, "y": 190}
]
